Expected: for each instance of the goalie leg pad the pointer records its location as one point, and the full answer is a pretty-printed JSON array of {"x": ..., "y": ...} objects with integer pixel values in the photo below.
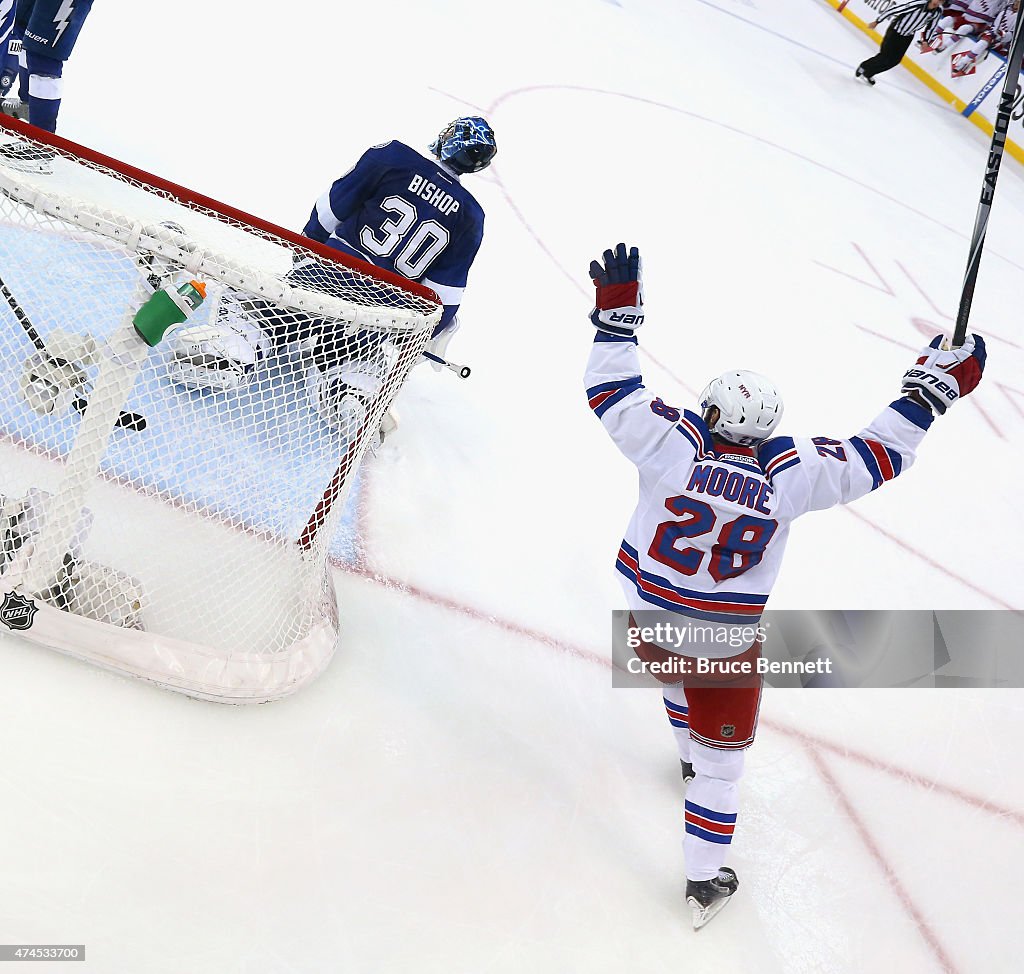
[
  {"x": 342, "y": 394},
  {"x": 222, "y": 356},
  {"x": 21, "y": 520}
]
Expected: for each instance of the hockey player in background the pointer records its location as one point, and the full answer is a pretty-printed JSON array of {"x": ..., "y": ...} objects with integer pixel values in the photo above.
[
  {"x": 49, "y": 30},
  {"x": 10, "y": 47},
  {"x": 997, "y": 36},
  {"x": 972, "y": 21},
  {"x": 396, "y": 208},
  {"x": 718, "y": 491}
]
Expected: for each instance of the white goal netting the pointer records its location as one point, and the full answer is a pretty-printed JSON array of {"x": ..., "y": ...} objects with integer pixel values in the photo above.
[{"x": 166, "y": 528}]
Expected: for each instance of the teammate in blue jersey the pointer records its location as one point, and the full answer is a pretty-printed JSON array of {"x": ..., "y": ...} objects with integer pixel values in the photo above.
[
  {"x": 10, "y": 47},
  {"x": 49, "y": 30},
  {"x": 410, "y": 214},
  {"x": 396, "y": 208}
]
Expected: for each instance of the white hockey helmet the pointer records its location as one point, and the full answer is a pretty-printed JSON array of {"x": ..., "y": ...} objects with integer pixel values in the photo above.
[{"x": 749, "y": 406}]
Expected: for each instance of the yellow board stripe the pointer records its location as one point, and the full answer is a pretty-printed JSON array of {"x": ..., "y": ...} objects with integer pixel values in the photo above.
[{"x": 926, "y": 79}]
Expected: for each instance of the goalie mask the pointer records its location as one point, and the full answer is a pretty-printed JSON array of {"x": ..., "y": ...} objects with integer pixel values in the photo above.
[
  {"x": 466, "y": 145},
  {"x": 749, "y": 407}
]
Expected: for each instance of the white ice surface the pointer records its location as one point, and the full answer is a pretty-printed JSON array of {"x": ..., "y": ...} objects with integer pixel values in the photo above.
[{"x": 462, "y": 790}]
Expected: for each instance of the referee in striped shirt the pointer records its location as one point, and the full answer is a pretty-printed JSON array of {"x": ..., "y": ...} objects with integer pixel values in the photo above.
[{"x": 907, "y": 20}]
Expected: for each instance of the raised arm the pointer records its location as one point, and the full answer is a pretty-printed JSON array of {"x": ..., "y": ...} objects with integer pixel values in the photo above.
[
  {"x": 820, "y": 472},
  {"x": 643, "y": 427}
]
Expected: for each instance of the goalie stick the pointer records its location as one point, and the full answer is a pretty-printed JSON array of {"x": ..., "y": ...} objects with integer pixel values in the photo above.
[
  {"x": 988, "y": 188},
  {"x": 125, "y": 420},
  {"x": 462, "y": 371}
]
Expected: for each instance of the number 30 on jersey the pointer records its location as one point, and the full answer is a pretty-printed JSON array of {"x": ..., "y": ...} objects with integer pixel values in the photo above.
[{"x": 421, "y": 242}]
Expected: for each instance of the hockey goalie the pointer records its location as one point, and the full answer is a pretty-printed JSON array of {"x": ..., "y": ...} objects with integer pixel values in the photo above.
[
  {"x": 170, "y": 483},
  {"x": 397, "y": 209}
]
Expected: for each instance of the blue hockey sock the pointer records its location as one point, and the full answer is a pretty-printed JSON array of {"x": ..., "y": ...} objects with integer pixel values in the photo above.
[
  {"x": 45, "y": 87},
  {"x": 44, "y": 100}
]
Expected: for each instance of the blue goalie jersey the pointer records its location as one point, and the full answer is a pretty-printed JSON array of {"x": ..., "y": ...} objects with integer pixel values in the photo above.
[{"x": 406, "y": 213}]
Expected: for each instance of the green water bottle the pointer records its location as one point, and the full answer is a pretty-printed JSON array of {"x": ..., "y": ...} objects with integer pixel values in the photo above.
[{"x": 167, "y": 307}]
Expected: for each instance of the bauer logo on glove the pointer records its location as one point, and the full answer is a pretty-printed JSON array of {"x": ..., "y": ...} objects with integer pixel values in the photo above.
[
  {"x": 620, "y": 292},
  {"x": 942, "y": 374}
]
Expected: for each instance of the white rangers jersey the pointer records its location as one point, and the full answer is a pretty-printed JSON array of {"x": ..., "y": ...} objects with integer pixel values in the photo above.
[
  {"x": 1002, "y": 26},
  {"x": 707, "y": 537},
  {"x": 984, "y": 11}
]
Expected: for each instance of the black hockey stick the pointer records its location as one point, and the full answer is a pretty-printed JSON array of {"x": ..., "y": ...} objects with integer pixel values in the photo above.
[
  {"x": 988, "y": 189},
  {"x": 125, "y": 420}
]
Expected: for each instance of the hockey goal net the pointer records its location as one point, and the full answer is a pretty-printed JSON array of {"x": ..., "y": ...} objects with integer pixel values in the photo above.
[{"x": 176, "y": 533}]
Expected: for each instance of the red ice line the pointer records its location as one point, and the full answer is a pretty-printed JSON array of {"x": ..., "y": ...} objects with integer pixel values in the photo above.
[
  {"x": 843, "y": 800},
  {"x": 813, "y": 746},
  {"x": 363, "y": 570},
  {"x": 1001, "y": 812}
]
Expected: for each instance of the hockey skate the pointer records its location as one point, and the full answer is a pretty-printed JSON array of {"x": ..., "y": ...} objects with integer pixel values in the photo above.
[
  {"x": 27, "y": 158},
  {"x": 860, "y": 75},
  {"x": 15, "y": 108},
  {"x": 706, "y": 898},
  {"x": 687, "y": 769},
  {"x": 388, "y": 425}
]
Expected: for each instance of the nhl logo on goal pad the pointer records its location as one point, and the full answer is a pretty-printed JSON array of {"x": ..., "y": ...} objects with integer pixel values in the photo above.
[{"x": 17, "y": 612}]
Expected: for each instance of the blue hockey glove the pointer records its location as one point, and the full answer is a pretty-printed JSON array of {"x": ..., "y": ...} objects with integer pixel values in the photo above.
[{"x": 619, "y": 303}]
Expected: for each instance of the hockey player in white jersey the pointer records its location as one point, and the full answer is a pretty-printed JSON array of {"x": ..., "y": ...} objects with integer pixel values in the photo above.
[
  {"x": 972, "y": 21},
  {"x": 718, "y": 492},
  {"x": 997, "y": 36}
]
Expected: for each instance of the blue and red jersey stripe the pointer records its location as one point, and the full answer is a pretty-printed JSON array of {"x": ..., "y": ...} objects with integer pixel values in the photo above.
[
  {"x": 678, "y": 715},
  {"x": 695, "y": 430},
  {"x": 734, "y": 608},
  {"x": 606, "y": 394},
  {"x": 882, "y": 463},
  {"x": 776, "y": 455},
  {"x": 707, "y": 824}
]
